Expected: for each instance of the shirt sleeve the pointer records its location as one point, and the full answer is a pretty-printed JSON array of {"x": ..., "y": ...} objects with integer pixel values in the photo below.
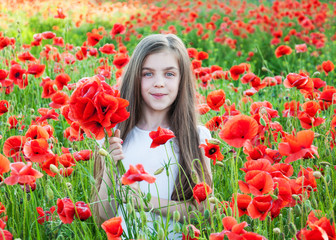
[{"x": 203, "y": 133}]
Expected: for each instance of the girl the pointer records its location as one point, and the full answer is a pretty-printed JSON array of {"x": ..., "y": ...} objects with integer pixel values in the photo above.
[{"x": 159, "y": 84}]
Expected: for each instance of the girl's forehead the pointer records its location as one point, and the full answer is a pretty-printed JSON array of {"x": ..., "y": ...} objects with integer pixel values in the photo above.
[{"x": 163, "y": 59}]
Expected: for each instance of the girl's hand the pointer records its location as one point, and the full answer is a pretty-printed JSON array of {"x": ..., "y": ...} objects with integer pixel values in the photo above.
[{"x": 116, "y": 147}]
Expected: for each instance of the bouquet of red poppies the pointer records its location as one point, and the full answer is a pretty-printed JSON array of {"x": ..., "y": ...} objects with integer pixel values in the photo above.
[{"x": 97, "y": 107}]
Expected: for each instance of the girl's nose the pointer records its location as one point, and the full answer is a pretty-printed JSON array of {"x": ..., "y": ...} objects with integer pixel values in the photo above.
[{"x": 159, "y": 81}]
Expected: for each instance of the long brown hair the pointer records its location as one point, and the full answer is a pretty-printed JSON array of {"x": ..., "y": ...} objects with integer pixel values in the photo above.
[{"x": 182, "y": 114}]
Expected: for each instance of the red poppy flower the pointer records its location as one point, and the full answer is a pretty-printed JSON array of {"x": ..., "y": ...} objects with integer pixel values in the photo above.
[
  {"x": 83, "y": 155},
  {"x": 286, "y": 169},
  {"x": 59, "y": 99},
  {"x": 45, "y": 216},
  {"x": 307, "y": 122},
  {"x": 262, "y": 164},
  {"x": 120, "y": 60},
  {"x": 49, "y": 88},
  {"x": 212, "y": 151},
  {"x": 260, "y": 207},
  {"x": 60, "y": 14},
  {"x": 160, "y": 136},
  {"x": 113, "y": 228},
  {"x": 243, "y": 200},
  {"x": 74, "y": 132},
  {"x": 47, "y": 113},
  {"x": 66, "y": 172},
  {"x": 37, "y": 132},
  {"x": 67, "y": 160},
  {"x": 201, "y": 192},
  {"x": 216, "y": 99},
  {"x": 45, "y": 165},
  {"x": 4, "y": 105},
  {"x": 22, "y": 174},
  {"x": 257, "y": 182},
  {"x": 300, "y": 81},
  {"x": 4, "y": 233},
  {"x": 93, "y": 38},
  {"x": 291, "y": 109},
  {"x": 83, "y": 211},
  {"x": 237, "y": 70},
  {"x": 4, "y": 166},
  {"x": 234, "y": 228},
  {"x": 300, "y": 48},
  {"x": 107, "y": 49},
  {"x": 238, "y": 129},
  {"x": 299, "y": 146},
  {"x": 62, "y": 80},
  {"x": 202, "y": 55},
  {"x": 192, "y": 52},
  {"x": 4, "y": 42},
  {"x": 36, "y": 69},
  {"x": 65, "y": 210},
  {"x": 136, "y": 174},
  {"x": 196, "y": 233},
  {"x": 16, "y": 74},
  {"x": 117, "y": 29},
  {"x": 37, "y": 150},
  {"x": 48, "y": 35},
  {"x": 203, "y": 108},
  {"x": 282, "y": 50},
  {"x": 26, "y": 56},
  {"x": 214, "y": 123},
  {"x": 327, "y": 66},
  {"x": 13, "y": 145}
]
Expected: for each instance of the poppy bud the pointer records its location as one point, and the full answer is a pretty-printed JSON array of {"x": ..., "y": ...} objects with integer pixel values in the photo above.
[
  {"x": 213, "y": 200},
  {"x": 194, "y": 176},
  {"x": 103, "y": 152},
  {"x": 176, "y": 216},
  {"x": 177, "y": 228},
  {"x": 49, "y": 193},
  {"x": 307, "y": 206},
  {"x": 69, "y": 186},
  {"x": 228, "y": 102},
  {"x": 265, "y": 69},
  {"x": 328, "y": 179},
  {"x": 148, "y": 197},
  {"x": 143, "y": 217},
  {"x": 54, "y": 169},
  {"x": 274, "y": 197},
  {"x": 55, "y": 87},
  {"x": 325, "y": 163},
  {"x": 32, "y": 110},
  {"x": 158, "y": 171},
  {"x": 220, "y": 163},
  {"x": 276, "y": 230},
  {"x": 206, "y": 214},
  {"x": 297, "y": 210},
  {"x": 317, "y": 174},
  {"x": 296, "y": 197},
  {"x": 160, "y": 234},
  {"x": 292, "y": 228},
  {"x": 316, "y": 73},
  {"x": 229, "y": 211},
  {"x": 214, "y": 141}
]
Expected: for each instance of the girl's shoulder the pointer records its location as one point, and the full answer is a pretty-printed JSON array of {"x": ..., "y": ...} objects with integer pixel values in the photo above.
[{"x": 203, "y": 133}]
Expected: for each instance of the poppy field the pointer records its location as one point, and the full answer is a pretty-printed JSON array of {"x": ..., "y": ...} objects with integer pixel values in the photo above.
[{"x": 265, "y": 89}]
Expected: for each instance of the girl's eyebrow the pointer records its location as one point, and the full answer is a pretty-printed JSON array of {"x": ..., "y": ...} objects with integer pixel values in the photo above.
[{"x": 167, "y": 68}]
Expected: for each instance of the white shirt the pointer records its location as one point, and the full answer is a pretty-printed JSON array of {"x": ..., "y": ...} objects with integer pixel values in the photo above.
[{"x": 136, "y": 149}]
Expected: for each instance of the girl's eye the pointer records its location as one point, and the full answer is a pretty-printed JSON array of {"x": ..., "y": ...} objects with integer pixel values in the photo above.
[
  {"x": 169, "y": 74},
  {"x": 147, "y": 74}
]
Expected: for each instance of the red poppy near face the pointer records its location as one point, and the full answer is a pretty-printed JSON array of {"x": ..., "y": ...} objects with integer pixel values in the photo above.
[
  {"x": 108, "y": 49},
  {"x": 113, "y": 228},
  {"x": 22, "y": 174},
  {"x": 120, "y": 60},
  {"x": 214, "y": 123},
  {"x": 160, "y": 136},
  {"x": 282, "y": 50},
  {"x": 201, "y": 192},
  {"x": 4, "y": 105},
  {"x": 83, "y": 211},
  {"x": 327, "y": 66},
  {"x": 65, "y": 210},
  {"x": 117, "y": 29},
  {"x": 196, "y": 233},
  {"x": 299, "y": 146},
  {"x": 212, "y": 151},
  {"x": 106, "y": 106},
  {"x": 192, "y": 52},
  {"x": 238, "y": 129},
  {"x": 216, "y": 99},
  {"x": 13, "y": 145},
  {"x": 136, "y": 174}
]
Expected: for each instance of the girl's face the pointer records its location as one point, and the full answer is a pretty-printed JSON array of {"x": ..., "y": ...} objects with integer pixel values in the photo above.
[{"x": 160, "y": 81}]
